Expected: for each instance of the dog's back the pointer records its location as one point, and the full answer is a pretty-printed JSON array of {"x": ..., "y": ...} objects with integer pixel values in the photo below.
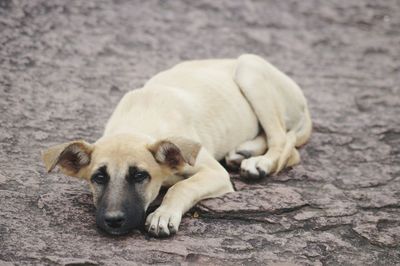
[{"x": 197, "y": 99}]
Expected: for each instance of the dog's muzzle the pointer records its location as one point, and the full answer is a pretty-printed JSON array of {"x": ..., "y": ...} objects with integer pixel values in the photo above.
[{"x": 120, "y": 222}]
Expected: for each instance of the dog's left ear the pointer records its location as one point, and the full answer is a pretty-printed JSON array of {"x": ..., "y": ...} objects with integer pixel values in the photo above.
[
  {"x": 175, "y": 152},
  {"x": 71, "y": 157}
]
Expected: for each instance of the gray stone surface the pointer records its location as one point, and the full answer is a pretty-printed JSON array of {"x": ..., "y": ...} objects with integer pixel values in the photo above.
[{"x": 65, "y": 64}]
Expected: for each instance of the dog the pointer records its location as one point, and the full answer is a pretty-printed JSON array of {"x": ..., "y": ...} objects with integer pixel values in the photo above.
[{"x": 174, "y": 131}]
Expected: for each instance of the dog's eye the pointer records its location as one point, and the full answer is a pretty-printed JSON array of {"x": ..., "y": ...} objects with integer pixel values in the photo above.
[
  {"x": 100, "y": 179},
  {"x": 137, "y": 176}
]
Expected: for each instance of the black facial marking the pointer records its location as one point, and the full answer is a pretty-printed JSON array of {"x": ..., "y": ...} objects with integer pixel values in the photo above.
[
  {"x": 100, "y": 176},
  {"x": 120, "y": 208},
  {"x": 126, "y": 212},
  {"x": 136, "y": 175}
]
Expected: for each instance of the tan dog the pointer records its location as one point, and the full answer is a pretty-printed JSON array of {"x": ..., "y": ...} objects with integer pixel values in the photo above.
[{"x": 173, "y": 132}]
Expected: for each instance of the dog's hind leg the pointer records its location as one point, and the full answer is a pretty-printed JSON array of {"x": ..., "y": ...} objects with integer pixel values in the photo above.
[
  {"x": 271, "y": 94},
  {"x": 250, "y": 148}
]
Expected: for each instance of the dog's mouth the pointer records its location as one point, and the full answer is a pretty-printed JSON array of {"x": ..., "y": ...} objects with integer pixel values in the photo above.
[
  {"x": 121, "y": 230},
  {"x": 115, "y": 232}
]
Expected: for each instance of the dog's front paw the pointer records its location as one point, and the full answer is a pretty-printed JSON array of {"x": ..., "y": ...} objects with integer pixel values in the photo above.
[{"x": 163, "y": 222}]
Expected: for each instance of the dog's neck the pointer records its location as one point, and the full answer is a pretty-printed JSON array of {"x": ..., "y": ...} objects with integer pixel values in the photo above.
[{"x": 147, "y": 112}]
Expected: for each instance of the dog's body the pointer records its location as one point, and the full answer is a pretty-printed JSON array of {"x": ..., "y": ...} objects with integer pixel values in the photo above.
[
  {"x": 176, "y": 129},
  {"x": 198, "y": 100}
]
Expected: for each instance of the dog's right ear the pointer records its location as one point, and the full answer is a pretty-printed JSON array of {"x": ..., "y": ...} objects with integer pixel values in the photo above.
[
  {"x": 71, "y": 157},
  {"x": 175, "y": 152}
]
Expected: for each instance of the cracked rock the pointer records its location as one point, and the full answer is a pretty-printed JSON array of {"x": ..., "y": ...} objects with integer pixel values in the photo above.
[{"x": 66, "y": 64}]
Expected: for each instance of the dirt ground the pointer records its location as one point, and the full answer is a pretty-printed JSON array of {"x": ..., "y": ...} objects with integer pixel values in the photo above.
[{"x": 65, "y": 64}]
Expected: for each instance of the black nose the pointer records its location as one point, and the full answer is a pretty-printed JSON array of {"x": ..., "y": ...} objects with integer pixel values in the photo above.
[{"x": 114, "y": 219}]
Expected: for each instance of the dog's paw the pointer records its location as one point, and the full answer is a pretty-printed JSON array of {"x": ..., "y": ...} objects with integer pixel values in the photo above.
[
  {"x": 255, "y": 167},
  {"x": 163, "y": 222},
  {"x": 235, "y": 158}
]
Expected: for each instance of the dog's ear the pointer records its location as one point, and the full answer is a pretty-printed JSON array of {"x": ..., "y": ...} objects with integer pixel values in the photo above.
[
  {"x": 70, "y": 157},
  {"x": 175, "y": 152}
]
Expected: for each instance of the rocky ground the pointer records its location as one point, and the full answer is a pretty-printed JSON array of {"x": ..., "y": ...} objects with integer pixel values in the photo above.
[{"x": 65, "y": 64}]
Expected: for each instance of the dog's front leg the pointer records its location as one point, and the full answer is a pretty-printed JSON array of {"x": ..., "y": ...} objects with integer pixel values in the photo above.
[{"x": 209, "y": 180}]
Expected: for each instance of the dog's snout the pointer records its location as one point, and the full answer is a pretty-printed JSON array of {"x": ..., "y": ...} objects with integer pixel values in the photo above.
[
  {"x": 120, "y": 215},
  {"x": 114, "y": 219}
]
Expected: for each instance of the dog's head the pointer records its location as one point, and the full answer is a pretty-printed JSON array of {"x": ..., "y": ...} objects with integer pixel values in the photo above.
[{"x": 125, "y": 173}]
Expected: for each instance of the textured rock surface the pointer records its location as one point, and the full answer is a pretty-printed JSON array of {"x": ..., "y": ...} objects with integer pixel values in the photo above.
[{"x": 65, "y": 64}]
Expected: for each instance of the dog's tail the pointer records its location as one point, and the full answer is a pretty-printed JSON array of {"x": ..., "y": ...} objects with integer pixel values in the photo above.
[
  {"x": 287, "y": 150},
  {"x": 296, "y": 137}
]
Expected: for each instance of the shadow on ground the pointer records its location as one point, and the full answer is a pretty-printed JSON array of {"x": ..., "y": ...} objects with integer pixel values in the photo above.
[{"x": 65, "y": 64}]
